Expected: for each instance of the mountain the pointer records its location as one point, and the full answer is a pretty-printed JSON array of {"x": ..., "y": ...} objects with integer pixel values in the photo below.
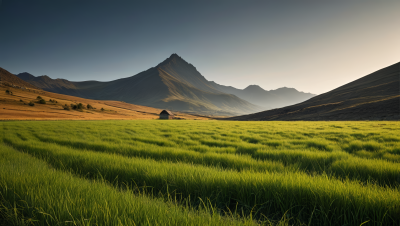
[
  {"x": 177, "y": 85},
  {"x": 266, "y": 99},
  {"x": 373, "y": 97},
  {"x": 10, "y": 79},
  {"x": 173, "y": 84}
]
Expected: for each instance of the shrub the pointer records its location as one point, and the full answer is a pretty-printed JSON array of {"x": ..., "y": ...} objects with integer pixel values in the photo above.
[
  {"x": 31, "y": 104},
  {"x": 42, "y": 101},
  {"x": 21, "y": 100},
  {"x": 66, "y": 107},
  {"x": 80, "y": 106},
  {"x": 89, "y": 106},
  {"x": 8, "y": 91},
  {"x": 39, "y": 97},
  {"x": 102, "y": 109}
]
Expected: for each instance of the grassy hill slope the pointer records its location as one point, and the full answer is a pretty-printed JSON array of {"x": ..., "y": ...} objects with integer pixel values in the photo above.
[{"x": 372, "y": 97}]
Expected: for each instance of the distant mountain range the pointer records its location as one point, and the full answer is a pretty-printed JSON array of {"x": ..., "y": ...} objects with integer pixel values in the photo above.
[
  {"x": 176, "y": 85},
  {"x": 373, "y": 97},
  {"x": 266, "y": 99}
]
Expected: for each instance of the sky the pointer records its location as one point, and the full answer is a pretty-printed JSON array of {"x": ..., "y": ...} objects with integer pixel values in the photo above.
[{"x": 311, "y": 45}]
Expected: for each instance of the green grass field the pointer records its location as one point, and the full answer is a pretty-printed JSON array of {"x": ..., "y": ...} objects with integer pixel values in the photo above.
[{"x": 199, "y": 173}]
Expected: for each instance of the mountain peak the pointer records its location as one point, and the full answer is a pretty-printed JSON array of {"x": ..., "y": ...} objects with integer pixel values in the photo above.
[
  {"x": 174, "y": 58},
  {"x": 174, "y": 55},
  {"x": 25, "y": 76},
  {"x": 254, "y": 88},
  {"x": 286, "y": 89}
]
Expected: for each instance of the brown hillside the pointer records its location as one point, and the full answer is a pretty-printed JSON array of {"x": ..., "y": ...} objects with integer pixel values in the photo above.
[
  {"x": 6, "y": 78},
  {"x": 372, "y": 97},
  {"x": 16, "y": 107}
]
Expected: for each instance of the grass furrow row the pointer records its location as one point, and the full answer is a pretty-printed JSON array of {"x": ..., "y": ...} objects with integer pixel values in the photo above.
[
  {"x": 337, "y": 164},
  {"x": 33, "y": 193},
  {"x": 271, "y": 194}
]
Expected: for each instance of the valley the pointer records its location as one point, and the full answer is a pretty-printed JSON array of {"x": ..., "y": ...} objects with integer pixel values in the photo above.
[{"x": 199, "y": 113}]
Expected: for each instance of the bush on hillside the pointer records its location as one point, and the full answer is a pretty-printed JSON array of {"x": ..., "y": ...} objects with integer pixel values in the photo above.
[
  {"x": 8, "y": 91},
  {"x": 89, "y": 106},
  {"x": 42, "y": 101},
  {"x": 39, "y": 97},
  {"x": 31, "y": 104},
  {"x": 66, "y": 107},
  {"x": 77, "y": 106}
]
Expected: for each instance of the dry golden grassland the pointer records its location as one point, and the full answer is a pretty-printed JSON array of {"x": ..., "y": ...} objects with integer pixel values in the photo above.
[{"x": 16, "y": 107}]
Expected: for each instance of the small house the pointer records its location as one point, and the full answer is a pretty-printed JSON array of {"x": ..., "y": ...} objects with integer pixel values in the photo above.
[{"x": 165, "y": 114}]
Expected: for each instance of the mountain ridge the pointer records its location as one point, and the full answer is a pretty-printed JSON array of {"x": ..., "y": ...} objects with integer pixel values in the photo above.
[{"x": 172, "y": 84}]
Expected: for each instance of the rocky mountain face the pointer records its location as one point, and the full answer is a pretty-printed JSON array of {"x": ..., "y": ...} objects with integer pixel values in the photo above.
[{"x": 373, "y": 97}]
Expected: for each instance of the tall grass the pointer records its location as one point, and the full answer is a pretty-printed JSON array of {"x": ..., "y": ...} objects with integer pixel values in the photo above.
[
  {"x": 266, "y": 159},
  {"x": 314, "y": 173},
  {"x": 139, "y": 149},
  {"x": 274, "y": 192},
  {"x": 31, "y": 192}
]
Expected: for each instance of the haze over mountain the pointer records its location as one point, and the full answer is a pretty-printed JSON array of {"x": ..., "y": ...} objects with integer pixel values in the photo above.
[
  {"x": 177, "y": 85},
  {"x": 372, "y": 97},
  {"x": 266, "y": 99}
]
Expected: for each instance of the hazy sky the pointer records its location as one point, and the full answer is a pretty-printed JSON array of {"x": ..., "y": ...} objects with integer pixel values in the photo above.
[{"x": 311, "y": 45}]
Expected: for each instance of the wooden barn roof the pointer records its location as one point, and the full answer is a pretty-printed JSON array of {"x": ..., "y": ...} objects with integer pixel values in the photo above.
[{"x": 166, "y": 112}]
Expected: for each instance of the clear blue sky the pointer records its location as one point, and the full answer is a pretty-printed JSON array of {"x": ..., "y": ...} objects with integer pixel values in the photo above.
[{"x": 313, "y": 46}]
